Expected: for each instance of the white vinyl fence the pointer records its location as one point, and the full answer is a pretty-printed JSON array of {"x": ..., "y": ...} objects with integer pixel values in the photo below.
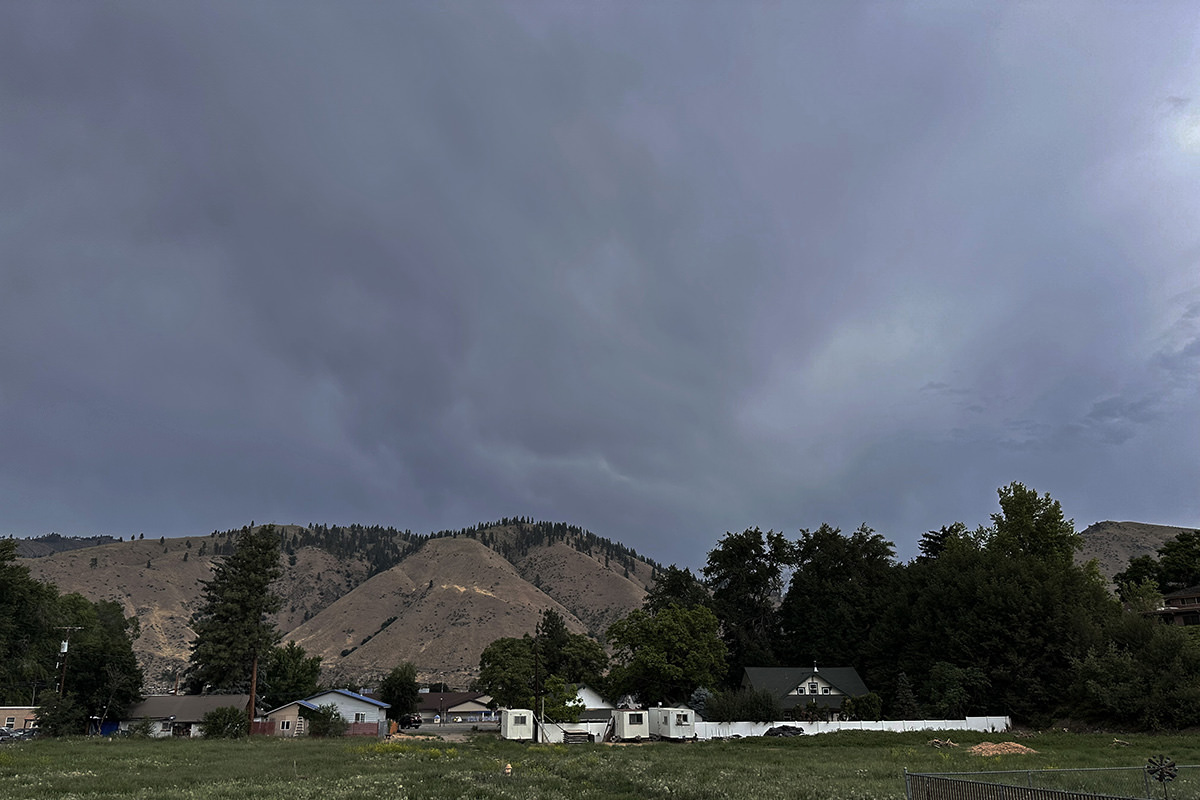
[
  {"x": 552, "y": 732},
  {"x": 726, "y": 730}
]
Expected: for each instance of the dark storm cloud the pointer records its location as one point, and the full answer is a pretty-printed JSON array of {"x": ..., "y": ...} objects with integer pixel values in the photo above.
[{"x": 656, "y": 270}]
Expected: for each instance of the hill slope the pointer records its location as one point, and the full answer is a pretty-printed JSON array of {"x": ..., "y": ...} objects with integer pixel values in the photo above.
[
  {"x": 1112, "y": 544},
  {"x": 367, "y": 599}
]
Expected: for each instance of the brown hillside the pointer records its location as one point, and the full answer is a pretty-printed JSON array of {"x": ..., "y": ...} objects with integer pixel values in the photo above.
[
  {"x": 1112, "y": 544},
  {"x": 449, "y": 600},
  {"x": 165, "y": 594},
  {"x": 597, "y": 596},
  {"x": 439, "y": 607}
]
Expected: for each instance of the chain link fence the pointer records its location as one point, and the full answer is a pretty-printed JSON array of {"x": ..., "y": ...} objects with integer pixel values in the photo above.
[{"x": 1136, "y": 783}]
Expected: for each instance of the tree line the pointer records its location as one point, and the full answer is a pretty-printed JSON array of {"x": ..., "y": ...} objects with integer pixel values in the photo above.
[
  {"x": 64, "y": 653},
  {"x": 995, "y": 620}
]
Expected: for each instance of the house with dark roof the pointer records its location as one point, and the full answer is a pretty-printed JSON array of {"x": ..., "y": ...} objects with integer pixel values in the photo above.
[
  {"x": 803, "y": 689},
  {"x": 180, "y": 714},
  {"x": 455, "y": 707}
]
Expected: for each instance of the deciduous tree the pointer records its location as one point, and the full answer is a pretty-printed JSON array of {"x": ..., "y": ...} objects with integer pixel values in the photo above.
[
  {"x": 664, "y": 657},
  {"x": 290, "y": 674},
  {"x": 745, "y": 573}
]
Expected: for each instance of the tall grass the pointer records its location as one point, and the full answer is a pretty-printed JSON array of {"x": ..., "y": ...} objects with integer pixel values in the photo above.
[{"x": 842, "y": 766}]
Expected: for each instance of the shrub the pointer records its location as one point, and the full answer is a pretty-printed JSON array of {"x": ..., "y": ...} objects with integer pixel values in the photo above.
[
  {"x": 142, "y": 729},
  {"x": 225, "y": 722},
  {"x": 325, "y": 721},
  {"x": 743, "y": 705},
  {"x": 868, "y": 706}
]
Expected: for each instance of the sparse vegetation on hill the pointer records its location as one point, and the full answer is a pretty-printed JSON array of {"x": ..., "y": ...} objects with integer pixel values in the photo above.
[{"x": 364, "y": 598}]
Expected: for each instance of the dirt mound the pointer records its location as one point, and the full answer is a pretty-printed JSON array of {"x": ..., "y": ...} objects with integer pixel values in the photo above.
[{"x": 1001, "y": 749}]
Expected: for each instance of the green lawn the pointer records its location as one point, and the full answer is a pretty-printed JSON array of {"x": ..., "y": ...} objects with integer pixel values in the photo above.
[{"x": 841, "y": 766}]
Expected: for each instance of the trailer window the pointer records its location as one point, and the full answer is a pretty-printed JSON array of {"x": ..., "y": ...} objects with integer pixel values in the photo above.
[{"x": 635, "y": 719}]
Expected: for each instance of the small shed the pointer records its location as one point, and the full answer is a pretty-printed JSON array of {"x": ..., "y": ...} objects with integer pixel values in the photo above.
[
  {"x": 630, "y": 724},
  {"x": 516, "y": 723},
  {"x": 673, "y": 723}
]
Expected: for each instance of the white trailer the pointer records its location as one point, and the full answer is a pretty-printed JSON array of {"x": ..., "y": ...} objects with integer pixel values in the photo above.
[
  {"x": 630, "y": 724},
  {"x": 673, "y": 723},
  {"x": 516, "y": 723}
]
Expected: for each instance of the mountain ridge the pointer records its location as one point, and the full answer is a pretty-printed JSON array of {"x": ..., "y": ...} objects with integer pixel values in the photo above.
[{"x": 367, "y": 598}]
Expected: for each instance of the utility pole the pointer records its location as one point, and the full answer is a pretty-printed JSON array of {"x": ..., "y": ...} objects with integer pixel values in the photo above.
[
  {"x": 537, "y": 680},
  {"x": 63, "y": 651},
  {"x": 253, "y": 691}
]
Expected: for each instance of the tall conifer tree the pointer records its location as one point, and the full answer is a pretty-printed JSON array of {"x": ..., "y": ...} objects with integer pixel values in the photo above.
[{"x": 233, "y": 626}]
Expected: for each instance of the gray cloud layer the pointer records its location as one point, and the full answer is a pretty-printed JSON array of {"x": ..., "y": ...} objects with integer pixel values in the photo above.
[{"x": 660, "y": 270}]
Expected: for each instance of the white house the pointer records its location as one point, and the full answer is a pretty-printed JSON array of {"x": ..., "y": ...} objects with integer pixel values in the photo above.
[
  {"x": 367, "y": 717},
  {"x": 594, "y": 707}
]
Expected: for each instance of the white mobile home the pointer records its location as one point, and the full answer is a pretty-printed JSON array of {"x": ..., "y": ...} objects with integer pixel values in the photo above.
[
  {"x": 630, "y": 724},
  {"x": 672, "y": 723},
  {"x": 516, "y": 723}
]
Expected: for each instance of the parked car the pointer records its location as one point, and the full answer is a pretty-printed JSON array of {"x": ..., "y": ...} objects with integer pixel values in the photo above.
[{"x": 410, "y": 721}]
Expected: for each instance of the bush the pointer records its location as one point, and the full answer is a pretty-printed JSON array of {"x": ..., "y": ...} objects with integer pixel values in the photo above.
[
  {"x": 868, "y": 707},
  {"x": 743, "y": 705},
  {"x": 142, "y": 729},
  {"x": 325, "y": 721},
  {"x": 225, "y": 722}
]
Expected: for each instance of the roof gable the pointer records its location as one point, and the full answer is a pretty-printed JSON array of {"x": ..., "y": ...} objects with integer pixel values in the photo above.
[
  {"x": 297, "y": 703},
  {"x": 781, "y": 681}
]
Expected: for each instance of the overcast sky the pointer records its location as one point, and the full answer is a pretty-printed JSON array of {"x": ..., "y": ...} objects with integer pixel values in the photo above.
[{"x": 662, "y": 270}]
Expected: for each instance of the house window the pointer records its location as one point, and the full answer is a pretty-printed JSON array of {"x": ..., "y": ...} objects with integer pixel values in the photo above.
[
  {"x": 285, "y": 724},
  {"x": 10, "y": 721},
  {"x": 812, "y": 688},
  {"x": 165, "y": 726},
  {"x": 635, "y": 719},
  {"x": 825, "y": 690},
  {"x": 360, "y": 716}
]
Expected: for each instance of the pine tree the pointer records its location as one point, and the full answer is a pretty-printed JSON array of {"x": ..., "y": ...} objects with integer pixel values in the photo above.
[{"x": 233, "y": 628}]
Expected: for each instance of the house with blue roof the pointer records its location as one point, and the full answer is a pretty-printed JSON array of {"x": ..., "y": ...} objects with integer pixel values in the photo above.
[{"x": 366, "y": 716}]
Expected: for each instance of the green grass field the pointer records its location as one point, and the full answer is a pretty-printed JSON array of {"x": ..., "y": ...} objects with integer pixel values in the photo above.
[{"x": 841, "y": 766}]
